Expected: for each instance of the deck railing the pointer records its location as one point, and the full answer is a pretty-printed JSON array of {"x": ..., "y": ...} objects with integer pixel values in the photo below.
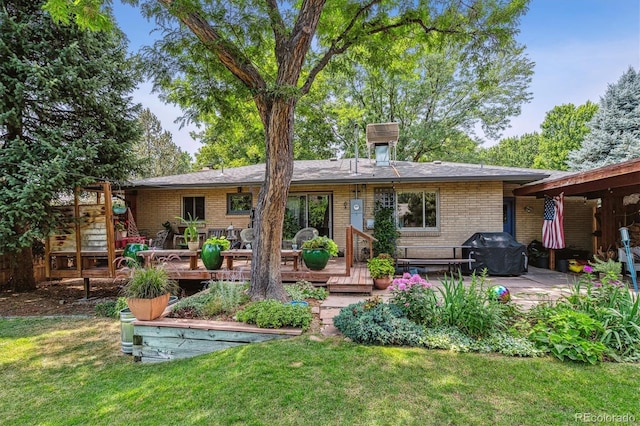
[{"x": 348, "y": 255}]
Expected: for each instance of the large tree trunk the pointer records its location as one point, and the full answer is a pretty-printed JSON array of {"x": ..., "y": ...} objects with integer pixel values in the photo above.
[
  {"x": 22, "y": 270},
  {"x": 266, "y": 277}
]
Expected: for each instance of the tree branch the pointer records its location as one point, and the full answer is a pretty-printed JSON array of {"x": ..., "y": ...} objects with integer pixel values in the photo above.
[{"x": 228, "y": 53}]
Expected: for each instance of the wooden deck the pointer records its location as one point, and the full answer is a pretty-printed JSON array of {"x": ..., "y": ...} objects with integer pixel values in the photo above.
[
  {"x": 359, "y": 281},
  {"x": 180, "y": 270}
]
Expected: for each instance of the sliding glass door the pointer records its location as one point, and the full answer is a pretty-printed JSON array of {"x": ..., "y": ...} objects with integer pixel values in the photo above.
[{"x": 308, "y": 210}]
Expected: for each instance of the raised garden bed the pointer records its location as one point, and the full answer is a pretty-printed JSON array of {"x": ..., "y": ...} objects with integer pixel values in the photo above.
[{"x": 165, "y": 339}]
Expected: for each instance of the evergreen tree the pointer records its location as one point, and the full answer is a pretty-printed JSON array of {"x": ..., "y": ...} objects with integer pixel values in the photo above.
[
  {"x": 65, "y": 120},
  {"x": 156, "y": 153},
  {"x": 615, "y": 128}
]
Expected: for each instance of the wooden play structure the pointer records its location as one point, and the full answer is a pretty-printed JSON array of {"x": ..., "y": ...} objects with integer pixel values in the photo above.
[{"x": 83, "y": 246}]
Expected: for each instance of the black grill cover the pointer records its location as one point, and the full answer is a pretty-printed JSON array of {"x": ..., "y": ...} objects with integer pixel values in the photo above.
[{"x": 498, "y": 252}]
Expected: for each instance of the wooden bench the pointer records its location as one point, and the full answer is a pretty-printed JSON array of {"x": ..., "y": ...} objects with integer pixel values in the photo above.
[
  {"x": 230, "y": 255},
  {"x": 148, "y": 255},
  {"x": 451, "y": 263}
]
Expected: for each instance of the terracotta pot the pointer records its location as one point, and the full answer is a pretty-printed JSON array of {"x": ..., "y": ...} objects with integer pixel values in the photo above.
[
  {"x": 148, "y": 309},
  {"x": 382, "y": 283}
]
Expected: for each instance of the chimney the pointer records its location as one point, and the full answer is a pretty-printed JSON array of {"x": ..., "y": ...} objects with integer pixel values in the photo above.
[{"x": 383, "y": 138}]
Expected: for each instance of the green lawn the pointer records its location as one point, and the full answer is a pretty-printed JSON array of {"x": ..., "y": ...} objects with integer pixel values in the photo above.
[{"x": 57, "y": 371}]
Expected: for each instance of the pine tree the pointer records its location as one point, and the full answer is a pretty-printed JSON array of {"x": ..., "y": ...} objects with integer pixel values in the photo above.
[
  {"x": 66, "y": 120},
  {"x": 156, "y": 152},
  {"x": 615, "y": 128}
]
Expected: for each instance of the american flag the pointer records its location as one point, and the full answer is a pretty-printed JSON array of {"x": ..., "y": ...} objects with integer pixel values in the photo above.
[{"x": 552, "y": 230}]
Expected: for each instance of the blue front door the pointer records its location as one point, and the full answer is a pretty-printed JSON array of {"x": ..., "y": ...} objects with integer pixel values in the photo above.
[{"x": 508, "y": 216}]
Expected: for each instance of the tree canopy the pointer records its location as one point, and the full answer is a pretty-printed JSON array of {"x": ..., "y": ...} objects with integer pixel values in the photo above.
[
  {"x": 515, "y": 151},
  {"x": 614, "y": 129},
  {"x": 563, "y": 130},
  {"x": 438, "y": 92},
  {"x": 66, "y": 119}
]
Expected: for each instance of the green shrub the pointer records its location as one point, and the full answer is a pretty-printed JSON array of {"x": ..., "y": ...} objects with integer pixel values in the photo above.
[
  {"x": 374, "y": 322},
  {"x": 606, "y": 301},
  {"x": 111, "y": 308},
  {"x": 231, "y": 294},
  {"x": 302, "y": 290},
  {"x": 469, "y": 308},
  {"x": 274, "y": 314},
  {"x": 572, "y": 335},
  {"x": 193, "y": 306},
  {"x": 450, "y": 338}
]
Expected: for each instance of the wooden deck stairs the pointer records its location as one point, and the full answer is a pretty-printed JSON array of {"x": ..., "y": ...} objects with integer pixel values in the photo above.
[{"x": 358, "y": 281}]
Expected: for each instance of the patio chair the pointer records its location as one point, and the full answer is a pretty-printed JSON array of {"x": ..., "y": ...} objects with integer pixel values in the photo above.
[
  {"x": 246, "y": 238},
  {"x": 304, "y": 234}
]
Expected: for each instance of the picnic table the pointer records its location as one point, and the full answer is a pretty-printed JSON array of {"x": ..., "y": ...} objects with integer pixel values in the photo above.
[{"x": 451, "y": 262}]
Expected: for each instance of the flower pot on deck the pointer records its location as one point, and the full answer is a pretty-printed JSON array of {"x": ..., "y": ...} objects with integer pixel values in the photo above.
[
  {"x": 315, "y": 259},
  {"x": 211, "y": 257}
]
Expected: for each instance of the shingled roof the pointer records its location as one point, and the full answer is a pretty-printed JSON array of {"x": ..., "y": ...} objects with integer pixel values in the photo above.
[{"x": 343, "y": 171}]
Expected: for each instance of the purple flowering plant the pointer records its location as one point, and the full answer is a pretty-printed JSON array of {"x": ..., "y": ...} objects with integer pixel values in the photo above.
[
  {"x": 599, "y": 285},
  {"x": 415, "y": 296}
]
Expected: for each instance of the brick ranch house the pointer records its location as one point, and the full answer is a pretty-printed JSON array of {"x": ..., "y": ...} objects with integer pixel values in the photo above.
[{"x": 436, "y": 203}]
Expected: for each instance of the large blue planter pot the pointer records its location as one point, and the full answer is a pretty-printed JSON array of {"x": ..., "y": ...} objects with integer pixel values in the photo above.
[
  {"x": 211, "y": 257},
  {"x": 315, "y": 259}
]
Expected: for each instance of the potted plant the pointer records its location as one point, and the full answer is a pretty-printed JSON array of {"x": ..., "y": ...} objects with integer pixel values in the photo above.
[
  {"x": 381, "y": 269},
  {"x": 191, "y": 235},
  {"x": 121, "y": 229},
  {"x": 210, "y": 255},
  {"x": 317, "y": 251},
  {"x": 147, "y": 291},
  {"x": 118, "y": 206}
]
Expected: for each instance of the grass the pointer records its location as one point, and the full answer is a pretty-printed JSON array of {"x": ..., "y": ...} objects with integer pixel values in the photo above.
[{"x": 70, "y": 371}]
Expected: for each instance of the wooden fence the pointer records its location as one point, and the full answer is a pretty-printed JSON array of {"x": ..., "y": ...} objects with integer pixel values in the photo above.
[{"x": 39, "y": 272}]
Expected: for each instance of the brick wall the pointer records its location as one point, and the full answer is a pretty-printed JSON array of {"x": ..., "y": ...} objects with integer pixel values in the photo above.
[
  {"x": 465, "y": 208},
  {"x": 578, "y": 220}
]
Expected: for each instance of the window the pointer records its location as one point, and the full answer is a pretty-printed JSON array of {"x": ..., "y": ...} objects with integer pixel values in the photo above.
[
  {"x": 239, "y": 203},
  {"x": 417, "y": 209},
  {"x": 384, "y": 197},
  {"x": 193, "y": 206}
]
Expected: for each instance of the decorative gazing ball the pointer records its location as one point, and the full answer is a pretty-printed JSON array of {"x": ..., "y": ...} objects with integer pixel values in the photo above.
[{"x": 499, "y": 293}]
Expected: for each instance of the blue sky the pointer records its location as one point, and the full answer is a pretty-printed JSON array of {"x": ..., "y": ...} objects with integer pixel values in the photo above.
[{"x": 578, "y": 46}]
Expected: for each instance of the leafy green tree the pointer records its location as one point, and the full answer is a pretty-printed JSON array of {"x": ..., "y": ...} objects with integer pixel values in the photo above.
[
  {"x": 273, "y": 52},
  {"x": 563, "y": 130},
  {"x": 615, "y": 127},
  {"x": 65, "y": 120},
  {"x": 156, "y": 153},
  {"x": 516, "y": 151},
  {"x": 439, "y": 93}
]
